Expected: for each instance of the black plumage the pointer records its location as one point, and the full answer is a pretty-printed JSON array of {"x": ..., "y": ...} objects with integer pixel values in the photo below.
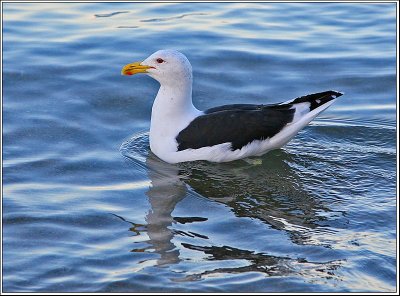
[
  {"x": 241, "y": 124},
  {"x": 318, "y": 99}
]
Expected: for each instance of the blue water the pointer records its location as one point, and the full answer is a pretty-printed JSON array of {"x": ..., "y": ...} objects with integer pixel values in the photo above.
[{"x": 87, "y": 207}]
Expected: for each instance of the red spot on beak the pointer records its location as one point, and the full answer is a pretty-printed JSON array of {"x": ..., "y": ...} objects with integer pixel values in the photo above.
[{"x": 128, "y": 73}]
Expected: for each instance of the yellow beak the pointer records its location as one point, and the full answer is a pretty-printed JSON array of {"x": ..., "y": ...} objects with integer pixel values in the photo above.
[{"x": 134, "y": 68}]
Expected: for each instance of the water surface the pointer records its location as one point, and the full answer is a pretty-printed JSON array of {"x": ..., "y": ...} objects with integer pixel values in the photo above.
[{"x": 88, "y": 208}]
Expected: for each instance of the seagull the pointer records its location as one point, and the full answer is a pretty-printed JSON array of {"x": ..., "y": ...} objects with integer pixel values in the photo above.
[{"x": 179, "y": 132}]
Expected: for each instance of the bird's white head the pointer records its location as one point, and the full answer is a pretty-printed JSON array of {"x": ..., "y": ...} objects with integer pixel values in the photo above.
[{"x": 169, "y": 67}]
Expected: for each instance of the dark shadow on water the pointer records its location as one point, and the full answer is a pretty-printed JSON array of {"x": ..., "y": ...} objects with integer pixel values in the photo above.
[{"x": 266, "y": 189}]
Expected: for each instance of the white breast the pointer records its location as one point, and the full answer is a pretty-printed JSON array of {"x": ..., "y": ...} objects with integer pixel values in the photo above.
[{"x": 172, "y": 111}]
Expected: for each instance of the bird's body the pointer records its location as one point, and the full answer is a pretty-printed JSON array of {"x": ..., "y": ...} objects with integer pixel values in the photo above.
[{"x": 179, "y": 132}]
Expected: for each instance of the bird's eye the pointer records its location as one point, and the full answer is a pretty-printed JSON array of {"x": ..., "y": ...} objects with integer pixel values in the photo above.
[{"x": 159, "y": 60}]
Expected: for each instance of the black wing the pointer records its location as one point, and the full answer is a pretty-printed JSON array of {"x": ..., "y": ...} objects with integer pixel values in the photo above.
[
  {"x": 234, "y": 125},
  {"x": 240, "y": 124}
]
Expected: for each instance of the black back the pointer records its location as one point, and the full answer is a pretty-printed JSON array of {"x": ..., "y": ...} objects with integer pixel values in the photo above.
[
  {"x": 235, "y": 124},
  {"x": 240, "y": 124}
]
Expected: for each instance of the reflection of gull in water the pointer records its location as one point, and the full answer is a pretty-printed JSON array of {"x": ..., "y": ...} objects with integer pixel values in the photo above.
[
  {"x": 270, "y": 192},
  {"x": 274, "y": 198},
  {"x": 165, "y": 192},
  {"x": 259, "y": 262}
]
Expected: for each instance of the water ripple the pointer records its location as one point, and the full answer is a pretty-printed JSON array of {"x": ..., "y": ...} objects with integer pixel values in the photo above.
[
  {"x": 163, "y": 19},
  {"x": 110, "y": 14},
  {"x": 318, "y": 215}
]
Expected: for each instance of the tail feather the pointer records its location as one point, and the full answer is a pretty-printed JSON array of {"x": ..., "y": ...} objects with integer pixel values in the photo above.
[
  {"x": 310, "y": 106},
  {"x": 306, "y": 108},
  {"x": 317, "y": 99}
]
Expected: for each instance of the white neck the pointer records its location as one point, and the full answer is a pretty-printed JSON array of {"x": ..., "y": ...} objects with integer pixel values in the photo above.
[
  {"x": 172, "y": 101},
  {"x": 172, "y": 111}
]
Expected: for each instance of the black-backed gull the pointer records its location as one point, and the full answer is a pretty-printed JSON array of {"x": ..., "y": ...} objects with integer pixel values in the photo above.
[{"x": 179, "y": 132}]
